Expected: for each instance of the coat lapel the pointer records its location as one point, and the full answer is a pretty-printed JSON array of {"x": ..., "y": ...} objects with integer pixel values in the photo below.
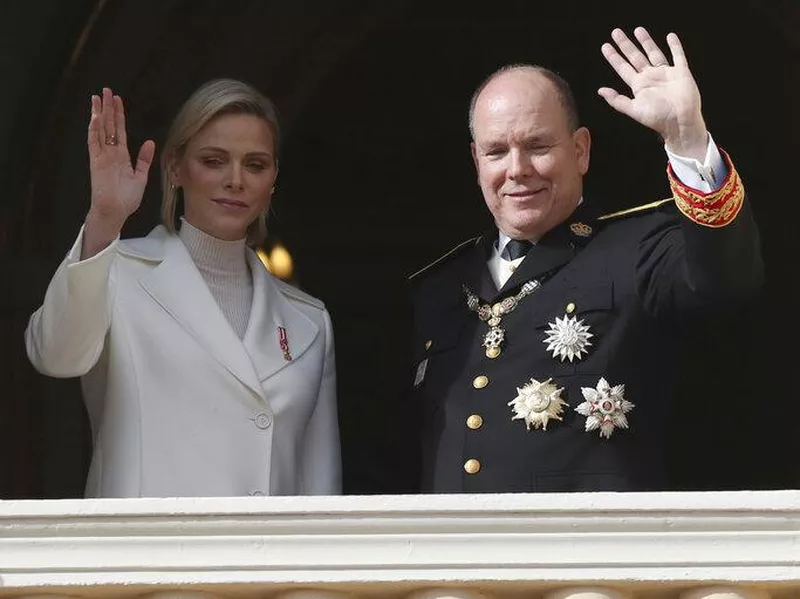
[
  {"x": 549, "y": 254},
  {"x": 178, "y": 287},
  {"x": 271, "y": 311},
  {"x": 476, "y": 273}
]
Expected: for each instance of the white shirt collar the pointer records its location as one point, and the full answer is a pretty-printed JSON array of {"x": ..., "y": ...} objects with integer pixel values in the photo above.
[{"x": 503, "y": 239}]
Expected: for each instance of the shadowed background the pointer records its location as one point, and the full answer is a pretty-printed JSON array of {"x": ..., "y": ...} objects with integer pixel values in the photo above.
[{"x": 376, "y": 180}]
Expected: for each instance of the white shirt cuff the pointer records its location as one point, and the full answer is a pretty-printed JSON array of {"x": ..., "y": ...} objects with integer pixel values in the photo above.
[{"x": 705, "y": 177}]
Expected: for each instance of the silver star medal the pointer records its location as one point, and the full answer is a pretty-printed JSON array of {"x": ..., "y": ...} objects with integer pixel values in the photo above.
[
  {"x": 568, "y": 337},
  {"x": 536, "y": 403},
  {"x": 605, "y": 408}
]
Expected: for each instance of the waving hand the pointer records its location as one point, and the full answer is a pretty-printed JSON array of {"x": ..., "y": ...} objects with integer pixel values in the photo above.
[
  {"x": 665, "y": 97},
  {"x": 117, "y": 185}
]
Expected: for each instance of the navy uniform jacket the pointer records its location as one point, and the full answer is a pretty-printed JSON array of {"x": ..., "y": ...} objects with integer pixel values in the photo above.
[{"x": 637, "y": 281}]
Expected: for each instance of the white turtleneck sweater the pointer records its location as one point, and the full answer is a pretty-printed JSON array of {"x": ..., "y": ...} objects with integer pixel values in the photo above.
[{"x": 224, "y": 268}]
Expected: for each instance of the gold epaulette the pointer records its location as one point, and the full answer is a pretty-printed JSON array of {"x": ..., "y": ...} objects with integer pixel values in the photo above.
[
  {"x": 455, "y": 251},
  {"x": 635, "y": 209}
]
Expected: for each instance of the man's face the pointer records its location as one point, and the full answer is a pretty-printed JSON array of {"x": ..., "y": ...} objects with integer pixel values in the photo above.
[{"x": 530, "y": 163}]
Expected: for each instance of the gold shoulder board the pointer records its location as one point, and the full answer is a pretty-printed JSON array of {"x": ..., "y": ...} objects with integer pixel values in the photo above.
[
  {"x": 635, "y": 209},
  {"x": 455, "y": 251}
]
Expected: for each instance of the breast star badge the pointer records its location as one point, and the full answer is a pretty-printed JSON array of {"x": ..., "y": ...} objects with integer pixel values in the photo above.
[
  {"x": 568, "y": 337},
  {"x": 537, "y": 403},
  {"x": 605, "y": 408}
]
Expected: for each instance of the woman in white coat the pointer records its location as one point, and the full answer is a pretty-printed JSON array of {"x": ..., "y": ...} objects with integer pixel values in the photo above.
[{"x": 203, "y": 375}]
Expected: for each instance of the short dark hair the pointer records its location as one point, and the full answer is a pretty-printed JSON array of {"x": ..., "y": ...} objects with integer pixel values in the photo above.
[{"x": 562, "y": 88}]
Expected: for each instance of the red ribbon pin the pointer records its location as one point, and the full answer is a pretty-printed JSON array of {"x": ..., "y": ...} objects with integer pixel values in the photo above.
[{"x": 284, "y": 342}]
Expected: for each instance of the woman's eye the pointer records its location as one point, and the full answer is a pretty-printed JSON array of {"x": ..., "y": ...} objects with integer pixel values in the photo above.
[
  {"x": 212, "y": 161},
  {"x": 256, "y": 166}
]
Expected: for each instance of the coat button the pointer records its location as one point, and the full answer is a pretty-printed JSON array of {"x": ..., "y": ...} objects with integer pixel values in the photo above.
[
  {"x": 570, "y": 308},
  {"x": 480, "y": 381},
  {"x": 428, "y": 344},
  {"x": 263, "y": 420},
  {"x": 475, "y": 422},
  {"x": 472, "y": 466}
]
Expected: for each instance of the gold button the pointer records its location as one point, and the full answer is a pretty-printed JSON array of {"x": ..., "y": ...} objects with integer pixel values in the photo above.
[
  {"x": 493, "y": 352},
  {"x": 512, "y": 268},
  {"x": 479, "y": 382},
  {"x": 475, "y": 422},
  {"x": 428, "y": 344},
  {"x": 472, "y": 466},
  {"x": 570, "y": 308}
]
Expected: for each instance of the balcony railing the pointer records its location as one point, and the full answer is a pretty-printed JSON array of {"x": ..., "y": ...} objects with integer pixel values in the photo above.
[{"x": 741, "y": 545}]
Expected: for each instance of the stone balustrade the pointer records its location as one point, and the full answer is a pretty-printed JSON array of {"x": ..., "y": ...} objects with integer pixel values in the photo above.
[{"x": 730, "y": 545}]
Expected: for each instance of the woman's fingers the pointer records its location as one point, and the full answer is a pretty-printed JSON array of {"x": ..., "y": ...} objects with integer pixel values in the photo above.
[
  {"x": 109, "y": 118},
  {"x": 145, "y": 158},
  {"x": 119, "y": 122},
  {"x": 95, "y": 137}
]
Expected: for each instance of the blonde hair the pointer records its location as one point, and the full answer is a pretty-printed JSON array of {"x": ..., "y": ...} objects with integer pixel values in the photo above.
[{"x": 213, "y": 99}]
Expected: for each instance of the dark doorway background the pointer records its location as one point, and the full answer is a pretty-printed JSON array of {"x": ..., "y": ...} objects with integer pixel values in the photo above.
[{"x": 376, "y": 180}]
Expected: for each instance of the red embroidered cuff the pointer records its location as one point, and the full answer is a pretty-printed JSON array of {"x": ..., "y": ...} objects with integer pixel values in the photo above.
[{"x": 715, "y": 209}]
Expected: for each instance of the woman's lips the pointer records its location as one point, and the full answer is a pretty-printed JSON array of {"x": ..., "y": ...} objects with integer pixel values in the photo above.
[{"x": 230, "y": 203}]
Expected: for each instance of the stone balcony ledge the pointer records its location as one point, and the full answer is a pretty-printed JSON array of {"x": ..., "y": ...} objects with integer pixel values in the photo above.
[{"x": 647, "y": 544}]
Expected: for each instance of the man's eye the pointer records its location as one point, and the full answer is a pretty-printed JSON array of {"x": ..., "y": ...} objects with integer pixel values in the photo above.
[{"x": 539, "y": 148}]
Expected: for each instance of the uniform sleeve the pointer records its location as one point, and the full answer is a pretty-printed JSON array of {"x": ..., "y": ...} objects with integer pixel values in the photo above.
[
  {"x": 705, "y": 255},
  {"x": 65, "y": 336},
  {"x": 322, "y": 467}
]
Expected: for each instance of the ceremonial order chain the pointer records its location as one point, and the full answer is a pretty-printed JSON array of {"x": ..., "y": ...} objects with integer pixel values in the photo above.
[{"x": 492, "y": 315}]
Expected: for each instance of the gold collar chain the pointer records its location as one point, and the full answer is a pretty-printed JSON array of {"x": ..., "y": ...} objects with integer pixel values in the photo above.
[{"x": 492, "y": 315}]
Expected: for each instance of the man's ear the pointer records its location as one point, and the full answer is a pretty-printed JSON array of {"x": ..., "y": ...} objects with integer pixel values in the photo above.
[
  {"x": 583, "y": 144},
  {"x": 474, "y": 151}
]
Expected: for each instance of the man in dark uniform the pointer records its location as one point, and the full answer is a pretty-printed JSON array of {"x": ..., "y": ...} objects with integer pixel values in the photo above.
[{"x": 547, "y": 350}]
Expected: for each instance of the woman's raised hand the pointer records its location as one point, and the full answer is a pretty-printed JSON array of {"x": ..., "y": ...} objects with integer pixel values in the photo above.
[{"x": 117, "y": 184}]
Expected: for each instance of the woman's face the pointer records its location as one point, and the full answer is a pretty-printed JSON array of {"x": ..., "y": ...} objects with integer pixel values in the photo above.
[{"x": 227, "y": 172}]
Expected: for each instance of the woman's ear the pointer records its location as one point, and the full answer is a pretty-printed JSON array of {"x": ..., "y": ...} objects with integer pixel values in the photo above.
[{"x": 173, "y": 170}]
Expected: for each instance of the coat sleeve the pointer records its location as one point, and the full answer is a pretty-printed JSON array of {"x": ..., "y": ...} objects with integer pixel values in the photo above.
[
  {"x": 322, "y": 467},
  {"x": 65, "y": 336},
  {"x": 706, "y": 254}
]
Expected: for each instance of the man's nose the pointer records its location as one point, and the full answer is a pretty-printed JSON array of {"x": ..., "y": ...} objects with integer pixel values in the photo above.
[{"x": 520, "y": 165}]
